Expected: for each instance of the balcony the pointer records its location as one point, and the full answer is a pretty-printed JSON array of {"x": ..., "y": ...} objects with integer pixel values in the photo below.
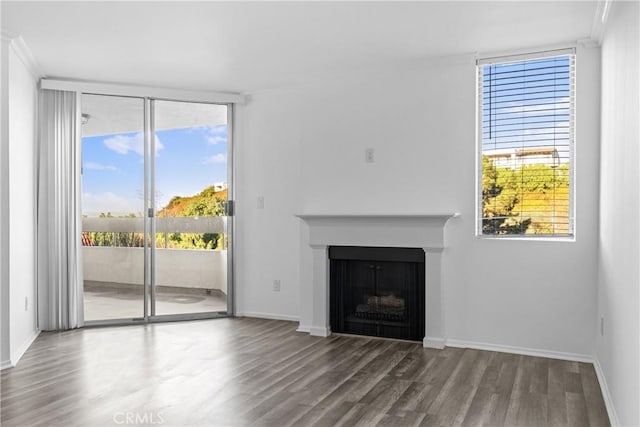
[{"x": 187, "y": 280}]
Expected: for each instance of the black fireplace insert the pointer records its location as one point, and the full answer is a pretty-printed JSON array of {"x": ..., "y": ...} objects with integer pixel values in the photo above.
[{"x": 377, "y": 291}]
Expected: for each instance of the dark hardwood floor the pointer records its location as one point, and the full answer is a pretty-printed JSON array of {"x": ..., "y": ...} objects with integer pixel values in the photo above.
[{"x": 261, "y": 372}]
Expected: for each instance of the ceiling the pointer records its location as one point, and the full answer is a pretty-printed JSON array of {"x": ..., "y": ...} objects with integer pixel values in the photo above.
[{"x": 251, "y": 46}]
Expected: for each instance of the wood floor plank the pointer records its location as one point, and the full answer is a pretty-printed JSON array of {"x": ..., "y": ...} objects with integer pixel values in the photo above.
[
  {"x": 576, "y": 410},
  {"x": 360, "y": 415},
  {"x": 573, "y": 382},
  {"x": 406, "y": 419},
  {"x": 517, "y": 391},
  {"x": 557, "y": 411},
  {"x": 255, "y": 372},
  {"x": 596, "y": 410},
  {"x": 413, "y": 397},
  {"x": 480, "y": 408},
  {"x": 532, "y": 410},
  {"x": 332, "y": 417}
]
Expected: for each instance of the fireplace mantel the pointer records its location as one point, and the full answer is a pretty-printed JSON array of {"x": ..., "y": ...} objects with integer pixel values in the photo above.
[
  {"x": 413, "y": 230},
  {"x": 402, "y": 215}
]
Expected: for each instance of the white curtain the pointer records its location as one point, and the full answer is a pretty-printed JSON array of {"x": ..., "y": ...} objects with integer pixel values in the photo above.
[{"x": 60, "y": 286}]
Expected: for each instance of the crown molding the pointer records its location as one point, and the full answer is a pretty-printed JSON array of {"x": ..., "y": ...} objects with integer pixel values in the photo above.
[
  {"x": 8, "y": 36},
  {"x": 599, "y": 24},
  {"x": 588, "y": 43},
  {"x": 23, "y": 52}
]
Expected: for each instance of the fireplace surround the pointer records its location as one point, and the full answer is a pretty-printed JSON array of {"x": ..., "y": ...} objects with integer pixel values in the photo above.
[{"x": 321, "y": 231}]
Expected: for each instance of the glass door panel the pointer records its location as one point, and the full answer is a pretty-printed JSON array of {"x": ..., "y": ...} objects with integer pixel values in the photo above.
[
  {"x": 189, "y": 191},
  {"x": 112, "y": 207}
]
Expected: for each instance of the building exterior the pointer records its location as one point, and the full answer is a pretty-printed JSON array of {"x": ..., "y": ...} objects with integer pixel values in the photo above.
[{"x": 515, "y": 158}]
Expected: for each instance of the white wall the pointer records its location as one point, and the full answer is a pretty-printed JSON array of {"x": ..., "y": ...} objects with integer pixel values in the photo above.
[
  {"x": 18, "y": 177},
  {"x": 618, "y": 352},
  {"x": 5, "y": 318},
  {"x": 267, "y": 241},
  {"x": 303, "y": 149}
]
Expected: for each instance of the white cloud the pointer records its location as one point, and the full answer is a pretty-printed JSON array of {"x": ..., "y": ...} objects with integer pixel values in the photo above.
[
  {"x": 216, "y": 134},
  {"x": 98, "y": 167},
  {"x": 217, "y": 139},
  {"x": 94, "y": 204},
  {"x": 212, "y": 134},
  {"x": 122, "y": 144},
  {"x": 217, "y": 158}
]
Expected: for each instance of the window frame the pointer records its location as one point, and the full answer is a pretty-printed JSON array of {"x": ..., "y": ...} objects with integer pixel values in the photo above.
[{"x": 520, "y": 57}]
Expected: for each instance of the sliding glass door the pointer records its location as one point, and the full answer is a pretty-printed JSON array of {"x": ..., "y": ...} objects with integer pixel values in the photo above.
[
  {"x": 113, "y": 182},
  {"x": 189, "y": 190},
  {"x": 155, "y": 196}
]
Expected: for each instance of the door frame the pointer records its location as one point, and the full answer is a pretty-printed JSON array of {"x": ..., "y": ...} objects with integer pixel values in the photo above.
[{"x": 155, "y": 93}]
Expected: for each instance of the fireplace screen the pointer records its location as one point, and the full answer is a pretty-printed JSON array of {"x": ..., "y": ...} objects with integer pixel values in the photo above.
[{"x": 377, "y": 291}]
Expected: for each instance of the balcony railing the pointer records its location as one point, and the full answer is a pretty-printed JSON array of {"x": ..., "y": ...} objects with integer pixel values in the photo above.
[{"x": 178, "y": 268}]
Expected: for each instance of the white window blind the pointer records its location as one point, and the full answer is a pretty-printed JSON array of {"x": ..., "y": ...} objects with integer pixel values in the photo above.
[{"x": 526, "y": 135}]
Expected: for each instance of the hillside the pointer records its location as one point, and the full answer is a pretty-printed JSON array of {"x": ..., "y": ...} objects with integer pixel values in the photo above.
[{"x": 184, "y": 206}]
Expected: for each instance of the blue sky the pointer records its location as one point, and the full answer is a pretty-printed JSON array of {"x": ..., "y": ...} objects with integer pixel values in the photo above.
[
  {"x": 531, "y": 95},
  {"x": 187, "y": 161}
]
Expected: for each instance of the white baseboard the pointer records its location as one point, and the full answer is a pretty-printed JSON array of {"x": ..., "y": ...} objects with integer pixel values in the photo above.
[
  {"x": 6, "y": 364},
  {"x": 319, "y": 331},
  {"x": 303, "y": 328},
  {"x": 269, "y": 316},
  {"x": 521, "y": 350},
  {"x": 17, "y": 355},
  {"x": 431, "y": 342},
  {"x": 606, "y": 395}
]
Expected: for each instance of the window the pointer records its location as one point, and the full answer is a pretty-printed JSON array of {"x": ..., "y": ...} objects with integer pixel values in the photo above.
[{"x": 526, "y": 136}]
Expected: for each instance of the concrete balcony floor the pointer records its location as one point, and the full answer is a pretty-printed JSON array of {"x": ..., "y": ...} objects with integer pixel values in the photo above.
[{"x": 105, "y": 300}]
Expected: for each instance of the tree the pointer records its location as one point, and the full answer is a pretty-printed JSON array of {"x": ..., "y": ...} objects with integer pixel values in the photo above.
[
  {"x": 207, "y": 204},
  {"x": 543, "y": 178},
  {"x": 499, "y": 199}
]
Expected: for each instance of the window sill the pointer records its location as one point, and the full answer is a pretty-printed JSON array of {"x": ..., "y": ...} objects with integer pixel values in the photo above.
[{"x": 564, "y": 239}]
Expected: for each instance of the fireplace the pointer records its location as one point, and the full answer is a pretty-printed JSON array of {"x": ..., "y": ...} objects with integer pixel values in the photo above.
[
  {"x": 322, "y": 231},
  {"x": 377, "y": 291}
]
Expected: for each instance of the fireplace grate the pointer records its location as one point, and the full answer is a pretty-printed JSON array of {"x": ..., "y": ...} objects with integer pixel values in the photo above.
[{"x": 365, "y": 311}]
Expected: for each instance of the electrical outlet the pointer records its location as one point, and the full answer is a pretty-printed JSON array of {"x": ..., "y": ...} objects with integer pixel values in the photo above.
[
  {"x": 260, "y": 202},
  {"x": 602, "y": 325},
  {"x": 369, "y": 155},
  {"x": 26, "y": 303},
  {"x": 276, "y": 285}
]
